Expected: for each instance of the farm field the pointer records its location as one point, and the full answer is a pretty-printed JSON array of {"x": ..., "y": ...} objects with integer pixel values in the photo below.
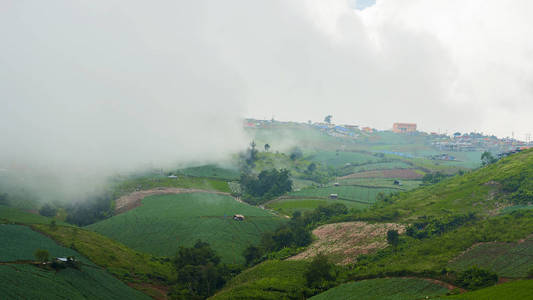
[
  {"x": 382, "y": 182},
  {"x": 210, "y": 171},
  {"x": 163, "y": 223},
  {"x": 353, "y": 193},
  {"x": 520, "y": 289},
  {"x": 391, "y": 173},
  {"x": 30, "y": 282},
  {"x": 344, "y": 242},
  {"x": 395, "y": 164},
  {"x": 146, "y": 183},
  {"x": 257, "y": 283},
  {"x": 20, "y": 242},
  {"x": 341, "y": 158},
  {"x": 289, "y": 206},
  {"x": 16, "y": 215},
  {"x": 505, "y": 259},
  {"x": 384, "y": 289}
]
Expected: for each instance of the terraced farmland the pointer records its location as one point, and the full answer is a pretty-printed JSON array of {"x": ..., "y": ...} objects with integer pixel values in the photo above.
[
  {"x": 506, "y": 259},
  {"x": 163, "y": 223},
  {"x": 210, "y": 171},
  {"x": 520, "y": 289},
  {"x": 21, "y": 280},
  {"x": 31, "y": 282},
  {"x": 288, "y": 206},
  {"x": 341, "y": 158},
  {"x": 384, "y": 289},
  {"x": 349, "y": 193},
  {"x": 20, "y": 242}
]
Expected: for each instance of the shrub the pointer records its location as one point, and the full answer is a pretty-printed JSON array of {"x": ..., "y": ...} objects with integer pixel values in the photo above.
[{"x": 475, "y": 278}]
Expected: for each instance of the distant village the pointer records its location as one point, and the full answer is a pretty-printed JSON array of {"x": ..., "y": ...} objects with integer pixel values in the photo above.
[{"x": 456, "y": 142}]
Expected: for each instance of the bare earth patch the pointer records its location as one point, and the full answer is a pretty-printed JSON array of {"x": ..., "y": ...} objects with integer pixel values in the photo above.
[
  {"x": 393, "y": 173},
  {"x": 343, "y": 242},
  {"x": 132, "y": 200}
]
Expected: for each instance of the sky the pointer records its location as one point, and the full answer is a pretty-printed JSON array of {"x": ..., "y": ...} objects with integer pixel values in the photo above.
[{"x": 92, "y": 85}]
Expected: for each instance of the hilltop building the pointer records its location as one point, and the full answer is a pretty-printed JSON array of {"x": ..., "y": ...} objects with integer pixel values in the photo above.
[{"x": 404, "y": 127}]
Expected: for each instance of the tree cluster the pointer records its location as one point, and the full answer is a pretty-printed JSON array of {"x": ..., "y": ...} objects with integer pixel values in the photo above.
[
  {"x": 48, "y": 210},
  {"x": 90, "y": 211},
  {"x": 487, "y": 158},
  {"x": 432, "y": 178},
  {"x": 200, "y": 272},
  {"x": 428, "y": 227},
  {"x": 475, "y": 278},
  {"x": 320, "y": 274},
  {"x": 265, "y": 186}
]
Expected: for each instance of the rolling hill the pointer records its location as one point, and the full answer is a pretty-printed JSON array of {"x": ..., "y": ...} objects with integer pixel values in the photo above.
[{"x": 163, "y": 223}]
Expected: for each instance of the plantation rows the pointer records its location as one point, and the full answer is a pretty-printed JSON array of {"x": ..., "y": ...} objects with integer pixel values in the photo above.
[
  {"x": 288, "y": 206},
  {"x": 20, "y": 242},
  {"x": 166, "y": 222},
  {"x": 355, "y": 193},
  {"x": 506, "y": 259},
  {"x": 384, "y": 289},
  {"x": 31, "y": 282}
]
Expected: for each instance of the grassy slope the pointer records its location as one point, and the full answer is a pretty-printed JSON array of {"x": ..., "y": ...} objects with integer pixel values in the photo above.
[
  {"x": 472, "y": 192},
  {"x": 165, "y": 222},
  {"x": 29, "y": 282},
  {"x": 121, "y": 261},
  {"x": 506, "y": 259},
  {"x": 521, "y": 289},
  {"x": 210, "y": 171},
  {"x": 269, "y": 280},
  {"x": 288, "y": 206},
  {"x": 384, "y": 289},
  {"x": 15, "y": 215},
  {"x": 357, "y": 193}
]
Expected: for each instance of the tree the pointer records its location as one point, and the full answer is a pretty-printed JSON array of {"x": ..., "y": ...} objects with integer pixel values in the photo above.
[
  {"x": 311, "y": 168},
  {"x": 319, "y": 272},
  {"x": 41, "y": 255},
  {"x": 267, "y": 147},
  {"x": 487, "y": 158},
  {"x": 251, "y": 254},
  {"x": 475, "y": 278},
  {"x": 47, "y": 210},
  {"x": 393, "y": 238},
  {"x": 327, "y": 119},
  {"x": 296, "y": 153}
]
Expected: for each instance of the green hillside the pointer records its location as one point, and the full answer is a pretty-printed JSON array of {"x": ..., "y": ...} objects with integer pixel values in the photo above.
[
  {"x": 288, "y": 206},
  {"x": 269, "y": 280},
  {"x": 19, "y": 279},
  {"x": 384, "y": 289},
  {"x": 521, "y": 289},
  {"x": 31, "y": 282},
  {"x": 485, "y": 191},
  {"x": 164, "y": 223}
]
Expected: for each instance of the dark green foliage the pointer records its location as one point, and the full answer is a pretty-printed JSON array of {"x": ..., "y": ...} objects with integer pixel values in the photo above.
[
  {"x": 327, "y": 119},
  {"x": 475, "y": 278},
  {"x": 487, "y": 158},
  {"x": 320, "y": 272},
  {"x": 199, "y": 271},
  {"x": 42, "y": 255},
  {"x": 267, "y": 185},
  {"x": 311, "y": 168},
  {"x": 393, "y": 237},
  {"x": 428, "y": 227},
  {"x": 296, "y": 153},
  {"x": 252, "y": 254},
  {"x": 90, "y": 211},
  {"x": 432, "y": 178},
  {"x": 520, "y": 186},
  {"x": 48, "y": 210}
]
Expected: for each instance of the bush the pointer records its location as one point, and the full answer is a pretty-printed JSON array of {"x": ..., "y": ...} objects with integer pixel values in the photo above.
[
  {"x": 319, "y": 273},
  {"x": 41, "y": 255},
  {"x": 475, "y": 278},
  {"x": 47, "y": 210}
]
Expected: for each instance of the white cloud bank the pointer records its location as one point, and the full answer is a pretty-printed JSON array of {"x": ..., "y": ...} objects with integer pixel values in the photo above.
[{"x": 92, "y": 85}]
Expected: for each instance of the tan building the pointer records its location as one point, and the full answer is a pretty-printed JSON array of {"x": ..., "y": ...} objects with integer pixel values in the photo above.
[{"x": 404, "y": 127}]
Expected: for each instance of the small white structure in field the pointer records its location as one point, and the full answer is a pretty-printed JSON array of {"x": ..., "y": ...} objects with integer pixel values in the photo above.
[
  {"x": 172, "y": 176},
  {"x": 333, "y": 196},
  {"x": 336, "y": 184},
  {"x": 238, "y": 217}
]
